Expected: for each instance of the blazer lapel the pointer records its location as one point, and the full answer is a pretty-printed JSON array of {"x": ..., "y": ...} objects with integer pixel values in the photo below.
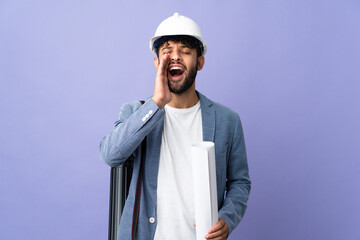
[
  {"x": 208, "y": 118},
  {"x": 153, "y": 152}
]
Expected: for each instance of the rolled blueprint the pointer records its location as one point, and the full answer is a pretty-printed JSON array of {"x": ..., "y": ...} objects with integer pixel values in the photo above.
[{"x": 204, "y": 185}]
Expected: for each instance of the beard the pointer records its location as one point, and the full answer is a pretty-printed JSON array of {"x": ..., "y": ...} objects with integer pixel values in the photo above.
[{"x": 179, "y": 88}]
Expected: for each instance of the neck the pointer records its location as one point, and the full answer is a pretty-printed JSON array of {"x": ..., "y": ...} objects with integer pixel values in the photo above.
[{"x": 186, "y": 99}]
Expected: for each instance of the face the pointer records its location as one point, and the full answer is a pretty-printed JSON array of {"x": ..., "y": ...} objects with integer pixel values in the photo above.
[{"x": 183, "y": 65}]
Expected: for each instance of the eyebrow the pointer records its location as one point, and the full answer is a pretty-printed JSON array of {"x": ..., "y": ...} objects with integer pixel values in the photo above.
[
  {"x": 166, "y": 47},
  {"x": 184, "y": 46},
  {"x": 169, "y": 47}
]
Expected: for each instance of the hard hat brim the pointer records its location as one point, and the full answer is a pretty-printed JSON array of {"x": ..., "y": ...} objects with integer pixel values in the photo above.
[{"x": 153, "y": 40}]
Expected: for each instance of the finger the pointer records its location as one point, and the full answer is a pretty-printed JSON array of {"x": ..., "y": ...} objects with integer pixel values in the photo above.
[
  {"x": 219, "y": 238},
  {"x": 220, "y": 233},
  {"x": 219, "y": 225},
  {"x": 164, "y": 62}
]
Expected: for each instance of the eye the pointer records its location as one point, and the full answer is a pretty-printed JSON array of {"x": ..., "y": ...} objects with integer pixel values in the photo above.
[{"x": 187, "y": 52}]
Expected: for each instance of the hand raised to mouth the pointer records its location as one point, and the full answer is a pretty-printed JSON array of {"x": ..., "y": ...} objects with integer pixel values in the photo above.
[{"x": 162, "y": 94}]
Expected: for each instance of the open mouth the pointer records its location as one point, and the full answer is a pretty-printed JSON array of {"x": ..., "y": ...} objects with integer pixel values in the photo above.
[{"x": 176, "y": 71}]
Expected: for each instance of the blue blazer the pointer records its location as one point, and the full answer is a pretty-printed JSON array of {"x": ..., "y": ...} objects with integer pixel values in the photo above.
[{"x": 220, "y": 125}]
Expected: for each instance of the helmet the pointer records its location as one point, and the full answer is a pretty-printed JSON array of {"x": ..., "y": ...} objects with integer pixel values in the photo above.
[{"x": 178, "y": 25}]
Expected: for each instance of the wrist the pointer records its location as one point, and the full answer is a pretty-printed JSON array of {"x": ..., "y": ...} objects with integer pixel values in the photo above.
[{"x": 158, "y": 102}]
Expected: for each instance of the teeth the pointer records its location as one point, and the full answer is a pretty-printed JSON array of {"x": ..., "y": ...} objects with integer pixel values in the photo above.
[{"x": 175, "y": 68}]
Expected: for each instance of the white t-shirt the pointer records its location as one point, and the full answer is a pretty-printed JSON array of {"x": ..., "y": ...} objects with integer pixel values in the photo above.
[{"x": 175, "y": 203}]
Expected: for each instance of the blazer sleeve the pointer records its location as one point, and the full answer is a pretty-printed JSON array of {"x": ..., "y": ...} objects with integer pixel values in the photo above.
[
  {"x": 134, "y": 123},
  {"x": 238, "y": 182}
]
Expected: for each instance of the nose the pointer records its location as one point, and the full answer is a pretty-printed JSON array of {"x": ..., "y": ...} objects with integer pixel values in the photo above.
[{"x": 175, "y": 55}]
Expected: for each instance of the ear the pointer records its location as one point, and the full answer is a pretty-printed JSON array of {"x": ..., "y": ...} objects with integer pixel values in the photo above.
[
  {"x": 156, "y": 62},
  {"x": 201, "y": 62}
]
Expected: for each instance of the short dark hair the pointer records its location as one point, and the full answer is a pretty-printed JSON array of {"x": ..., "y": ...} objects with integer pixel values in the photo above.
[{"x": 188, "y": 41}]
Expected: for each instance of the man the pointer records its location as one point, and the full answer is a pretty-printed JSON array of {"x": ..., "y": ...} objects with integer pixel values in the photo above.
[{"x": 172, "y": 119}]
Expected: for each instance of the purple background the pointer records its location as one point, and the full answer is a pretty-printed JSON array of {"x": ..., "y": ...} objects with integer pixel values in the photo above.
[{"x": 289, "y": 68}]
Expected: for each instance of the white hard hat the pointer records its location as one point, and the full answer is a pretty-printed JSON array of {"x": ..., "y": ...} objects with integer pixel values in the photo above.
[{"x": 178, "y": 25}]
